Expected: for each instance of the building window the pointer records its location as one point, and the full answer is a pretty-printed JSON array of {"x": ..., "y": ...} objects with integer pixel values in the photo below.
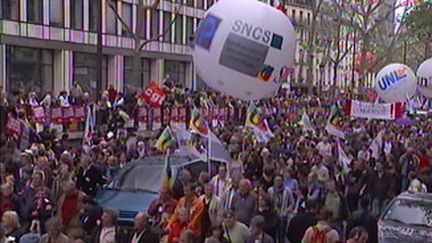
[
  {"x": 200, "y": 4},
  {"x": 56, "y": 13},
  {"x": 176, "y": 71},
  {"x": 189, "y": 3},
  {"x": 301, "y": 15},
  {"x": 144, "y": 75},
  {"x": 9, "y": 9},
  {"x": 34, "y": 11},
  {"x": 142, "y": 24},
  {"x": 127, "y": 17},
  {"x": 189, "y": 30},
  {"x": 29, "y": 69},
  {"x": 76, "y": 14},
  {"x": 179, "y": 30},
  {"x": 154, "y": 24},
  {"x": 85, "y": 73},
  {"x": 93, "y": 15},
  {"x": 167, "y": 25},
  {"x": 111, "y": 19}
]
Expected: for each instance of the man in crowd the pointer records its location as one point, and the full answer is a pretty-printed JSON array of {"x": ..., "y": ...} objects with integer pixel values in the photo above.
[
  {"x": 142, "y": 232},
  {"x": 244, "y": 203}
]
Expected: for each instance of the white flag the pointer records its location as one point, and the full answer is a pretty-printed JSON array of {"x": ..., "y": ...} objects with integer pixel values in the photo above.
[
  {"x": 343, "y": 157},
  {"x": 306, "y": 123},
  {"x": 184, "y": 140},
  {"x": 331, "y": 129},
  {"x": 376, "y": 145}
]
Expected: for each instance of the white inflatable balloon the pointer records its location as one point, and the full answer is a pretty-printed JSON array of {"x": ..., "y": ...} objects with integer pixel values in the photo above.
[
  {"x": 424, "y": 78},
  {"x": 244, "y": 48},
  {"x": 395, "y": 83}
]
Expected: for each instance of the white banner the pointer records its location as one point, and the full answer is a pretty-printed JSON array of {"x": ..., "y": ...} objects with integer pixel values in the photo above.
[{"x": 389, "y": 111}]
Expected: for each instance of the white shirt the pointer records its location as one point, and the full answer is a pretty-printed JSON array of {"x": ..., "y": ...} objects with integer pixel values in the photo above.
[
  {"x": 220, "y": 185},
  {"x": 107, "y": 235},
  {"x": 324, "y": 149},
  {"x": 136, "y": 237},
  {"x": 64, "y": 101}
]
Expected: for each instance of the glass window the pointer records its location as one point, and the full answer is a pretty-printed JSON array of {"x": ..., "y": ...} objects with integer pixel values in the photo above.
[
  {"x": 189, "y": 3},
  {"x": 179, "y": 30},
  {"x": 132, "y": 85},
  {"x": 127, "y": 17},
  {"x": 93, "y": 15},
  {"x": 154, "y": 24},
  {"x": 189, "y": 30},
  {"x": 410, "y": 212},
  {"x": 56, "y": 12},
  {"x": 210, "y": 3},
  {"x": 9, "y": 9},
  {"x": 142, "y": 24},
  {"x": 200, "y": 4},
  {"x": 111, "y": 25},
  {"x": 29, "y": 69},
  {"x": 85, "y": 72},
  {"x": 34, "y": 11},
  {"x": 76, "y": 14},
  {"x": 167, "y": 24},
  {"x": 176, "y": 71}
]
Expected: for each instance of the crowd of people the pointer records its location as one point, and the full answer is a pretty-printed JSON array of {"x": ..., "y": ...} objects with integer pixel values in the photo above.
[{"x": 291, "y": 188}]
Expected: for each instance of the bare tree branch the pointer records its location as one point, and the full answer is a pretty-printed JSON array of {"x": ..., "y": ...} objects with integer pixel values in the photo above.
[
  {"x": 166, "y": 30},
  {"x": 123, "y": 22},
  {"x": 153, "y": 6}
]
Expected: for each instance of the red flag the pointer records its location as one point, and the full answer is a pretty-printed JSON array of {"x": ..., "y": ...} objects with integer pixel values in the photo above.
[{"x": 154, "y": 95}]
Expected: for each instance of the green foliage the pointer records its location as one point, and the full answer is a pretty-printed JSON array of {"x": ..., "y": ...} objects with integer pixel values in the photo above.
[{"x": 420, "y": 20}]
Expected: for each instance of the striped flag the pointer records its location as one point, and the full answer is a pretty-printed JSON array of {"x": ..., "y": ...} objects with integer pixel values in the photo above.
[
  {"x": 343, "y": 158},
  {"x": 166, "y": 141},
  {"x": 376, "y": 145},
  {"x": 198, "y": 124},
  {"x": 259, "y": 125},
  {"x": 254, "y": 118},
  {"x": 167, "y": 179},
  {"x": 333, "y": 122}
]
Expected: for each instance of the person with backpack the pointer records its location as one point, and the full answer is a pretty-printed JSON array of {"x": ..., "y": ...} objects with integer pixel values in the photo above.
[{"x": 322, "y": 232}]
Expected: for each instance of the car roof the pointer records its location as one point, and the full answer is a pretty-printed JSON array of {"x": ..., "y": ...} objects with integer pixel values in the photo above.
[
  {"x": 151, "y": 169},
  {"x": 416, "y": 196}
]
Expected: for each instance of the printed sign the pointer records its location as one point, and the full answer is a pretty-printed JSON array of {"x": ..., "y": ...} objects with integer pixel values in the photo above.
[{"x": 154, "y": 95}]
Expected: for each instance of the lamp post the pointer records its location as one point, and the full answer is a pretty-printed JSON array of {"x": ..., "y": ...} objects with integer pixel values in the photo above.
[{"x": 99, "y": 74}]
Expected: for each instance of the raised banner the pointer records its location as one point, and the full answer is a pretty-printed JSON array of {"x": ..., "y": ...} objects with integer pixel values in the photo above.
[
  {"x": 38, "y": 114},
  {"x": 79, "y": 113},
  {"x": 154, "y": 95},
  {"x": 57, "y": 115},
  {"x": 13, "y": 126},
  {"x": 388, "y": 111}
]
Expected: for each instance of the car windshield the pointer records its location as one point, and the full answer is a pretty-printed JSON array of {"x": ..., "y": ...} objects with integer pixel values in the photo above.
[
  {"x": 138, "y": 177},
  {"x": 410, "y": 212}
]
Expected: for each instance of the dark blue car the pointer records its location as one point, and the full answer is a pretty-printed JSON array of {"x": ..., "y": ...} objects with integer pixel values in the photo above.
[{"x": 138, "y": 184}]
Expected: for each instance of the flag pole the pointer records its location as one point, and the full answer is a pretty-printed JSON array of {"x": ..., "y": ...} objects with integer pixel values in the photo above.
[{"x": 209, "y": 153}]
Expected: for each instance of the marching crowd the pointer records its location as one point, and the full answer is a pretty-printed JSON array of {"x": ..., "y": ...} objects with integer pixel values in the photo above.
[{"x": 291, "y": 188}]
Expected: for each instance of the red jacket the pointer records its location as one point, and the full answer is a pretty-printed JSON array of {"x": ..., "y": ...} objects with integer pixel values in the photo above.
[{"x": 175, "y": 230}]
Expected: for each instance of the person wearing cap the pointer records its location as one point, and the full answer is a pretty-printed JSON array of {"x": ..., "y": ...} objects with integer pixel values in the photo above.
[{"x": 257, "y": 231}]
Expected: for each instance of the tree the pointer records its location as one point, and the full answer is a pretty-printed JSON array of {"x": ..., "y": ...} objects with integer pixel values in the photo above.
[
  {"x": 332, "y": 37},
  {"x": 137, "y": 36},
  {"x": 373, "y": 22},
  {"x": 419, "y": 23}
]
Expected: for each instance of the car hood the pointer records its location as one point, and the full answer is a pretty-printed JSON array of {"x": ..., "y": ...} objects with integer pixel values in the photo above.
[
  {"x": 127, "y": 203},
  {"x": 395, "y": 232}
]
